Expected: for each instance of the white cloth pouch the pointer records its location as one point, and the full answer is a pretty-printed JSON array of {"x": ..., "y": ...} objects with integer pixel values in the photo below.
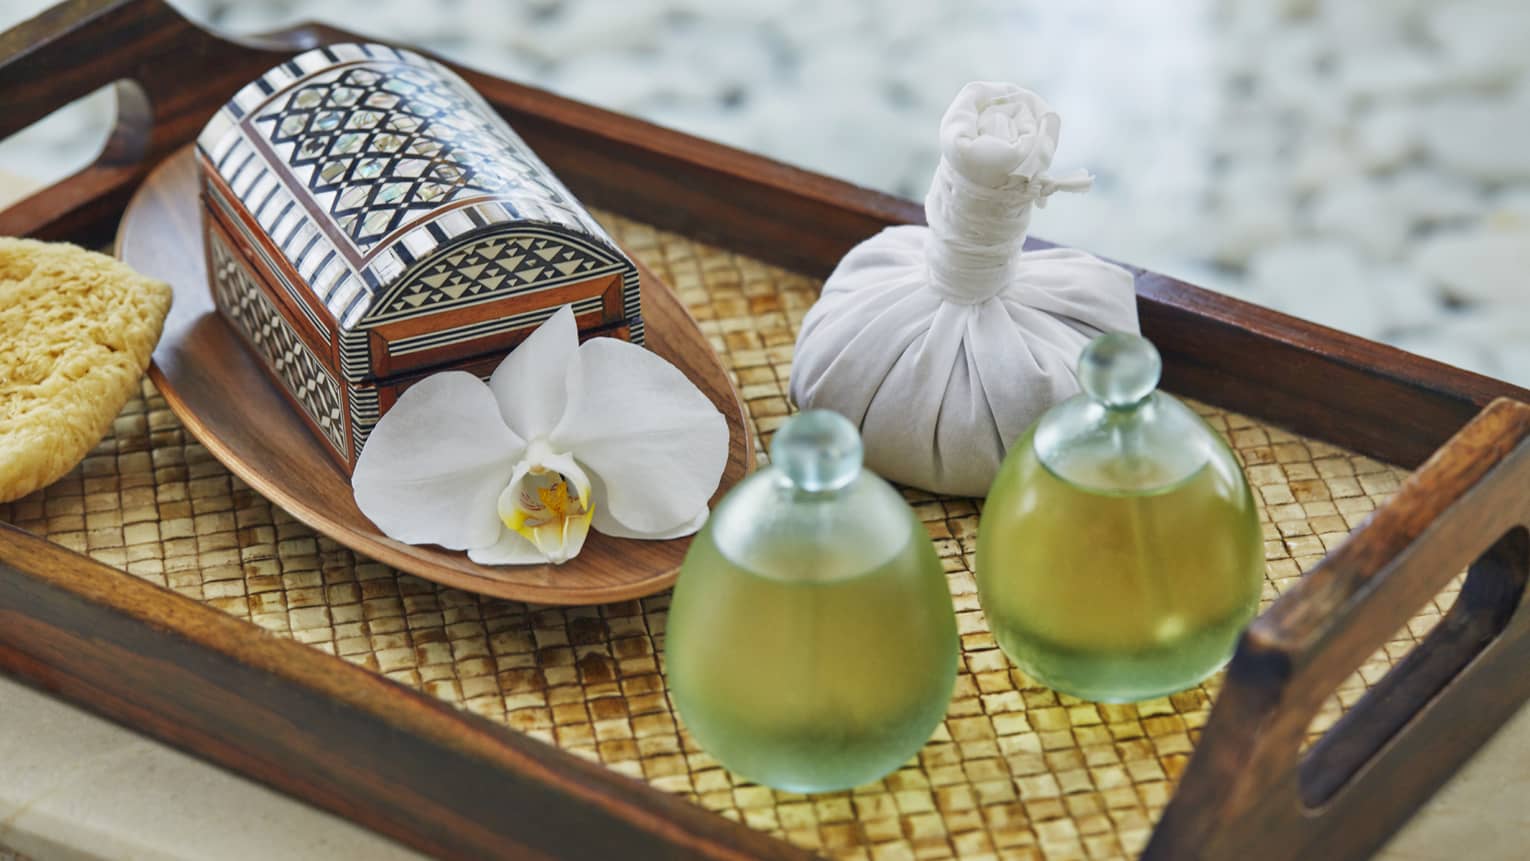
[{"x": 944, "y": 343}]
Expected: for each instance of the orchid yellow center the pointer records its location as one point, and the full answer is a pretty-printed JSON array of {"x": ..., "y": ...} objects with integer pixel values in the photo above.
[
  {"x": 550, "y": 513},
  {"x": 546, "y": 503},
  {"x": 555, "y": 499}
]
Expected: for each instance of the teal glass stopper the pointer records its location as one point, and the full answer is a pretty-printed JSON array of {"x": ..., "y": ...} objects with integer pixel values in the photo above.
[
  {"x": 817, "y": 451},
  {"x": 1120, "y": 369}
]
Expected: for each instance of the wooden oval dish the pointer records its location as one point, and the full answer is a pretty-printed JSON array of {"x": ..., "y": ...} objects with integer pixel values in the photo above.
[{"x": 224, "y": 398}]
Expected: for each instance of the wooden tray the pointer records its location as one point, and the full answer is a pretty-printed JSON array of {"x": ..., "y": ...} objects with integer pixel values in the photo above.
[
  {"x": 208, "y": 626},
  {"x": 261, "y": 439}
]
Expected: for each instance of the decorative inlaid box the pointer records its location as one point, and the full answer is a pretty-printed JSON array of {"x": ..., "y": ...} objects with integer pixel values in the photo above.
[{"x": 370, "y": 220}]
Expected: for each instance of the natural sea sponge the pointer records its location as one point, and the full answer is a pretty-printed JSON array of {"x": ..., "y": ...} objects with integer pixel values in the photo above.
[{"x": 76, "y": 332}]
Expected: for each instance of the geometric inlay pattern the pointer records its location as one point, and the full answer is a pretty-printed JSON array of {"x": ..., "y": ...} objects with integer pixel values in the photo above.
[
  {"x": 380, "y": 142},
  {"x": 301, "y": 373},
  {"x": 482, "y": 267},
  {"x": 1015, "y": 771}
]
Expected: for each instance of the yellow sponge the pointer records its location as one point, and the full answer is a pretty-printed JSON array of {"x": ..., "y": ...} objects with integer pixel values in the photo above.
[{"x": 76, "y": 332}]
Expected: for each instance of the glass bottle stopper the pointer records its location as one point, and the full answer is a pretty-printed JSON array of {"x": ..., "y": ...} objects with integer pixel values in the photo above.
[
  {"x": 1120, "y": 369},
  {"x": 817, "y": 451}
]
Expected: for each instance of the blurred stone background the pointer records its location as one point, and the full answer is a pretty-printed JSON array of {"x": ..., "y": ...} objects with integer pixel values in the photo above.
[{"x": 1362, "y": 164}]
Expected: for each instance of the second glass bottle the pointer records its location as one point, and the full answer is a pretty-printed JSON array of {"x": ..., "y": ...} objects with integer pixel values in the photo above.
[{"x": 811, "y": 643}]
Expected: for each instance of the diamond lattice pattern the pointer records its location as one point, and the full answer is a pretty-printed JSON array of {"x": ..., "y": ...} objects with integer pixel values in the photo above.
[{"x": 380, "y": 144}]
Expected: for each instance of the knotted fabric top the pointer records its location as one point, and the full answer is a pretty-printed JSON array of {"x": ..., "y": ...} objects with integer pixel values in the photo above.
[
  {"x": 944, "y": 343},
  {"x": 997, "y": 142}
]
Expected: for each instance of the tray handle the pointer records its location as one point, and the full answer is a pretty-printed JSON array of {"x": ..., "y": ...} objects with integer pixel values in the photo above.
[
  {"x": 151, "y": 53},
  {"x": 1249, "y": 791}
]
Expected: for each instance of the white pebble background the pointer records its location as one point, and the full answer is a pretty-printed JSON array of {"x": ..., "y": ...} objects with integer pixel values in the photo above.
[{"x": 1361, "y": 163}]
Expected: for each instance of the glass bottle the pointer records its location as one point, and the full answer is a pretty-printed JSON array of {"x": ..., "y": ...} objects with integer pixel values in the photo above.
[
  {"x": 811, "y": 643},
  {"x": 1119, "y": 554}
]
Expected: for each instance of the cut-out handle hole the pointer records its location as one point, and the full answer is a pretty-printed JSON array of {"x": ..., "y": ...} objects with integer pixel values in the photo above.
[
  {"x": 109, "y": 127},
  {"x": 1494, "y": 587}
]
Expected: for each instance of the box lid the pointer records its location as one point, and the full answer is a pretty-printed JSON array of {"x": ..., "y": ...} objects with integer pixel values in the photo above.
[{"x": 395, "y": 192}]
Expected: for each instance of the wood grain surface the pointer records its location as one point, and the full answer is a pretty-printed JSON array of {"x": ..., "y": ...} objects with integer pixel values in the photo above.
[
  {"x": 446, "y": 782},
  {"x": 220, "y": 392}
]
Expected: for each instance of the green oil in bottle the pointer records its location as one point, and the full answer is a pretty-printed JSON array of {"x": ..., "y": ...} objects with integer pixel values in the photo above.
[
  {"x": 824, "y": 679},
  {"x": 1120, "y": 554},
  {"x": 811, "y": 644}
]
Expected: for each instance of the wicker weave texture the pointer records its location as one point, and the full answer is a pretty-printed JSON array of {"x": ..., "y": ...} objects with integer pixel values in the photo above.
[{"x": 1015, "y": 772}]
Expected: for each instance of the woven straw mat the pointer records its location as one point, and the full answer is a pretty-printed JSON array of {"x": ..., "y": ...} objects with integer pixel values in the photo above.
[{"x": 1015, "y": 772}]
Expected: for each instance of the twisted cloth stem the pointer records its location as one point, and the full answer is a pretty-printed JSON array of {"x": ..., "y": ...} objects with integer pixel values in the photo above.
[{"x": 976, "y": 231}]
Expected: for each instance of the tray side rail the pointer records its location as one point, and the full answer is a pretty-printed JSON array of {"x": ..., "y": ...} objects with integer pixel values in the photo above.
[
  {"x": 1249, "y": 790},
  {"x": 446, "y": 782}
]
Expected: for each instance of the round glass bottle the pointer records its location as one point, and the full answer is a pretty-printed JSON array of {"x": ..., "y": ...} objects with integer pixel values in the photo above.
[
  {"x": 811, "y": 643},
  {"x": 1119, "y": 554}
]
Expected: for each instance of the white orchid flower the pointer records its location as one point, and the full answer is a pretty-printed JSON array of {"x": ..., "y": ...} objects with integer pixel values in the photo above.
[{"x": 563, "y": 438}]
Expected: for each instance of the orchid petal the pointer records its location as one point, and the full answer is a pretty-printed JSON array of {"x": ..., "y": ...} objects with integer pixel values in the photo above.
[
  {"x": 605, "y": 524},
  {"x": 511, "y": 549},
  {"x": 531, "y": 384},
  {"x": 657, "y": 443},
  {"x": 561, "y": 540},
  {"x": 538, "y": 506},
  {"x": 433, "y": 467}
]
